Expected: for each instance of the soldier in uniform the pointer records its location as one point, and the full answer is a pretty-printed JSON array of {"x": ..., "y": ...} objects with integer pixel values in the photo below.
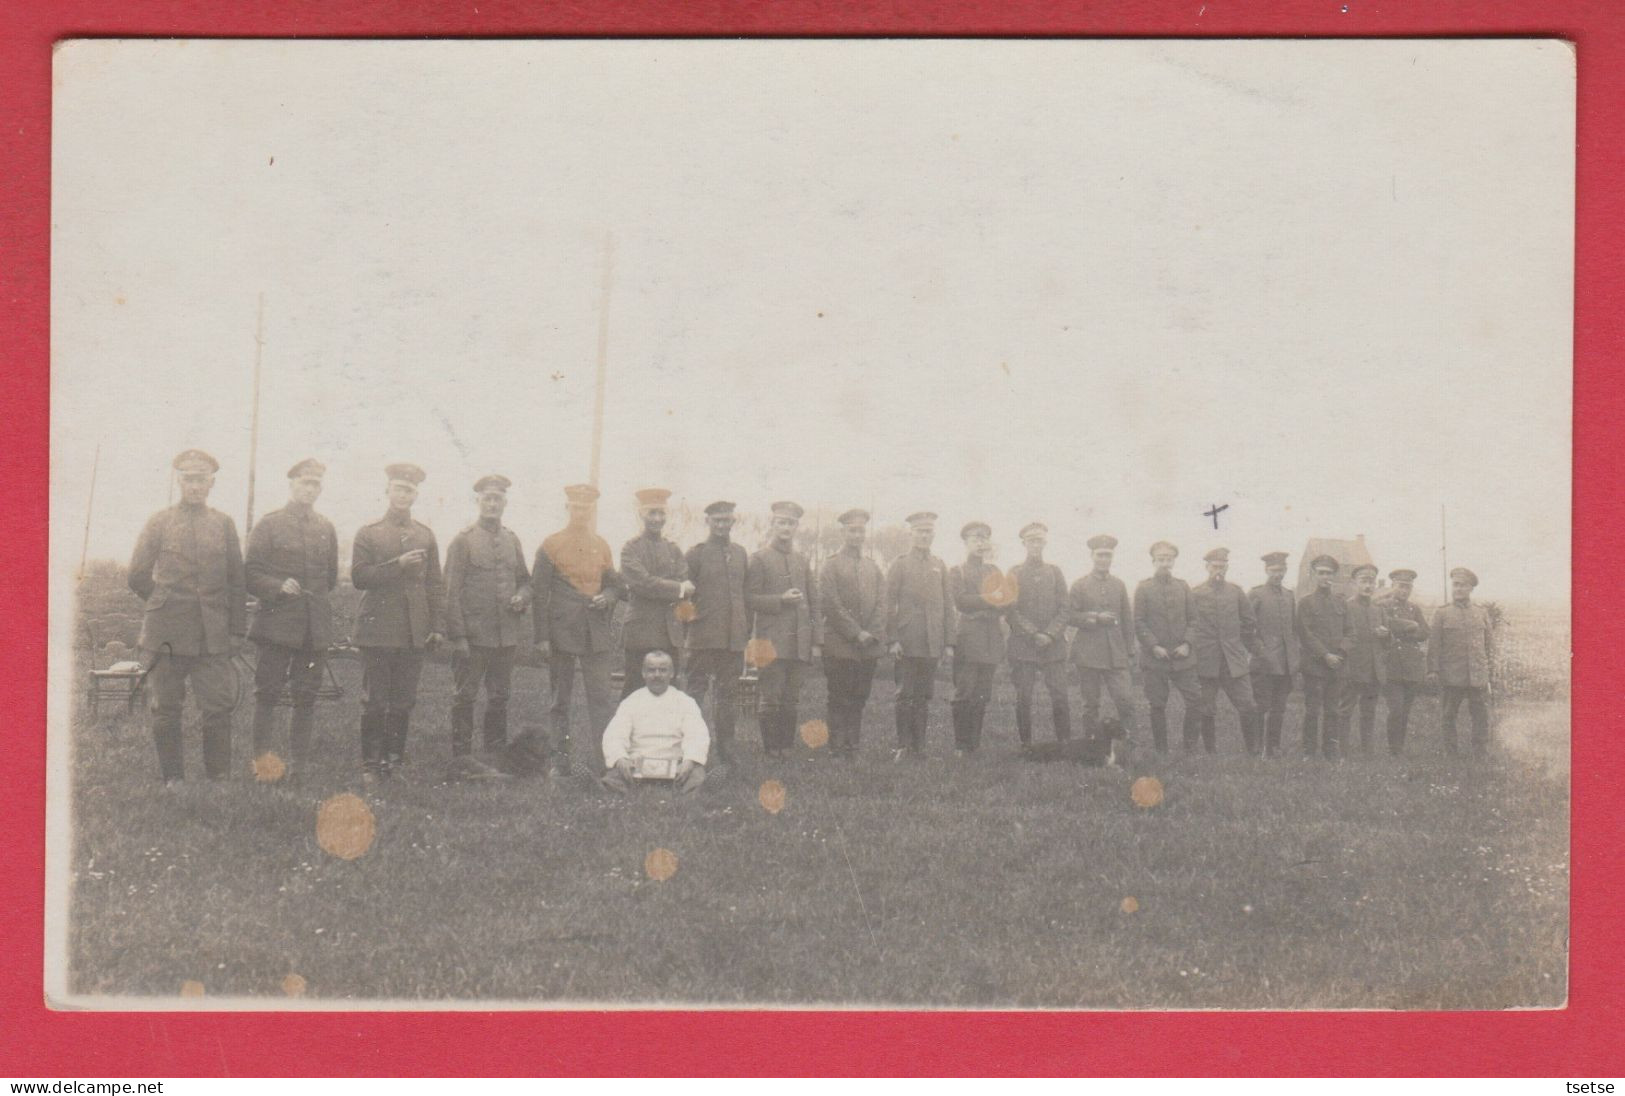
[
  {"x": 487, "y": 596},
  {"x": 1104, "y": 644},
  {"x": 1225, "y": 641},
  {"x": 656, "y": 576},
  {"x": 921, "y": 626},
  {"x": 575, "y": 589},
  {"x": 1461, "y": 649},
  {"x": 978, "y": 645},
  {"x": 781, "y": 592},
  {"x": 188, "y": 568},
  {"x": 1275, "y": 607},
  {"x": 292, "y": 567},
  {"x": 396, "y": 566},
  {"x": 1164, "y": 622},
  {"x": 1407, "y": 658},
  {"x": 1325, "y": 635},
  {"x": 1366, "y": 668},
  {"x": 1038, "y": 621},
  {"x": 852, "y": 595},
  {"x": 720, "y": 626}
]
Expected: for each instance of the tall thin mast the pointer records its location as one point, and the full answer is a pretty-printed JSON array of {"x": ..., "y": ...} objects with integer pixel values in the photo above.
[
  {"x": 1444, "y": 558},
  {"x": 95, "y": 463},
  {"x": 254, "y": 427},
  {"x": 603, "y": 361}
]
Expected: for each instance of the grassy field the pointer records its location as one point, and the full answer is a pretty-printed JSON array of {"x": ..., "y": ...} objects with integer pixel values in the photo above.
[{"x": 1423, "y": 882}]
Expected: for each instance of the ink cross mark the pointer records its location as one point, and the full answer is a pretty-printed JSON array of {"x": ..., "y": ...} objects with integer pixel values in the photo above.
[{"x": 1214, "y": 511}]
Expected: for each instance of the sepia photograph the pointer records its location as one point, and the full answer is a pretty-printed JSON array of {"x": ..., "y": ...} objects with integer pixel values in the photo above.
[{"x": 810, "y": 523}]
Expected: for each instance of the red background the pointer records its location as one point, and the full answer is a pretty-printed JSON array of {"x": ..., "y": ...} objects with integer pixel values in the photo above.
[{"x": 35, "y": 1042}]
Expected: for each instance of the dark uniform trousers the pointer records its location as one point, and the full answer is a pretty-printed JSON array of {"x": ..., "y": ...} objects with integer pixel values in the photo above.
[
  {"x": 1160, "y": 683},
  {"x": 214, "y": 685},
  {"x": 1024, "y": 675},
  {"x": 492, "y": 666},
  {"x": 1116, "y": 683},
  {"x": 1240, "y": 691},
  {"x": 1400, "y": 695},
  {"x": 1270, "y": 692},
  {"x": 1322, "y": 700},
  {"x": 600, "y": 690},
  {"x": 716, "y": 672},
  {"x": 778, "y": 689},
  {"x": 917, "y": 681},
  {"x": 389, "y": 685},
  {"x": 849, "y": 683},
  {"x": 1362, "y": 695},
  {"x": 973, "y": 691},
  {"x": 1477, "y": 698},
  {"x": 301, "y": 670}
]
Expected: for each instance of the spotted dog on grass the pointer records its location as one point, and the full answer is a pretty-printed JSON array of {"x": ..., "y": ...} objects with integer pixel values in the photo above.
[{"x": 1101, "y": 748}]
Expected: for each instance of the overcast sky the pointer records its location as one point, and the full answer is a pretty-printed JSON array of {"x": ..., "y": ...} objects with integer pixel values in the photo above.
[{"x": 1102, "y": 284}]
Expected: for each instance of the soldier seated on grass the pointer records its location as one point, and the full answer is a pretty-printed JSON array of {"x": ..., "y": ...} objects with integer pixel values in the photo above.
[{"x": 657, "y": 734}]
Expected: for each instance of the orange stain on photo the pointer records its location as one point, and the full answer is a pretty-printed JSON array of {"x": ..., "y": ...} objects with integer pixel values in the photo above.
[
  {"x": 268, "y": 768},
  {"x": 999, "y": 589},
  {"x": 191, "y": 988},
  {"x": 685, "y": 611},
  {"x": 293, "y": 985},
  {"x": 771, "y": 796},
  {"x": 1146, "y": 792},
  {"x": 760, "y": 652},
  {"x": 815, "y": 733},
  {"x": 345, "y": 827},
  {"x": 1130, "y": 904},
  {"x": 660, "y": 865}
]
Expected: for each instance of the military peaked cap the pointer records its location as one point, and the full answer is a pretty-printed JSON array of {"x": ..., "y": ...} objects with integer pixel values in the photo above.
[
  {"x": 720, "y": 508},
  {"x": 1104, "y": 540},
  {"x": 1164, "y": 546},
  {"x": 921, "y": 517},
  {"x": 1465, "y": 575},
  {"x": 1362, "y": 569},
  {"x": 784, "y": 509},
  {"x": 1033, "y": 527},
  {"x": 1325, "y": 561},
  {"x": 309, "y": 468},
  {"x": 653, "y": 496},
  {"x": 1218, "y": 555},
  {"x": 1273, "y": 558},
  {"x": 406, "y": 473},
  {"x": 195, "y": 460},
  {"x": 581, "y": 492},
  {"x": 493, "y": 482},
  {"x": 973, "y": 527},
  {"x": 854, "y": 517},
  {"x": 1404, "y": 574}
]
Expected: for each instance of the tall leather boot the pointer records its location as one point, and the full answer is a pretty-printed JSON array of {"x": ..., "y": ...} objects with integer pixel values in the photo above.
[
  {"x": 264, "y": 729},
  {"x": 494, "y": 729},
  {"x": 1272, "y": 733},
  {"x": 905, "y": 723},
  {"x": 399, "y": 723},
  {"x": 372, "y": 740},
  {"x": 1159, "y": 729},
  {"x": 300, "y": 726},
  {"x": 1188, "y": 730},
  {"x": 960, "y": 709},
  {"x": 978, "y": 716},
  {"x": 922, "y": 717},
  {"x": 1061, "y": 711},
  {"x": 1024, "y": 723},
  {"x": 1209, "y": 734},
  {"x": 1368, "y": 729}
]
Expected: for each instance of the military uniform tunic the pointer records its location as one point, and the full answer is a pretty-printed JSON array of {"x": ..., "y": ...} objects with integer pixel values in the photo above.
[
  {"x": 1368, "y": 653},
  {"x": 188, "y": 568},
  {"x": 1165, "y": 617},
  {"x": 979, "y": 635},
  {"x": 1460, "y": 644},
  {"x": 852, "y": 597},
  {"x": 1275, "y": 610},
  {"x": 485, "y": 569},
  {"x": 298, "y": 543},
  {"x": 1040, "y": 608},
  {"x": 921, "y": 607},
  {"x": 1100, "y": 644},
  {"x": 1407, "y": 654},
  {"x": 654, "y": 571},
  {"x": 401, "y": 603}
]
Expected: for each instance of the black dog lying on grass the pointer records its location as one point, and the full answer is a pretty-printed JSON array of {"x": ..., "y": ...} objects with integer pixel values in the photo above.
[{"x": 1101, "y": 748}]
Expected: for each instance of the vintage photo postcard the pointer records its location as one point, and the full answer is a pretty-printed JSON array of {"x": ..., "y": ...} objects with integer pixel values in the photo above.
[{"x": 943, "y": 524}]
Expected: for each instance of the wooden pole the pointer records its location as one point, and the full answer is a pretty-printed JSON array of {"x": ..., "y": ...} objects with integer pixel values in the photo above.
[
  {"x": 1444, "y": 559},
  {"x": 603, "y": 362},
  {"x": 95, "y": 463},
  {"x": 254, "y": 426}
]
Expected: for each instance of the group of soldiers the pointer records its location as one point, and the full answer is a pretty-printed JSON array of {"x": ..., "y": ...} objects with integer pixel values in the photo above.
[{"x": 717, "y": 609}]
